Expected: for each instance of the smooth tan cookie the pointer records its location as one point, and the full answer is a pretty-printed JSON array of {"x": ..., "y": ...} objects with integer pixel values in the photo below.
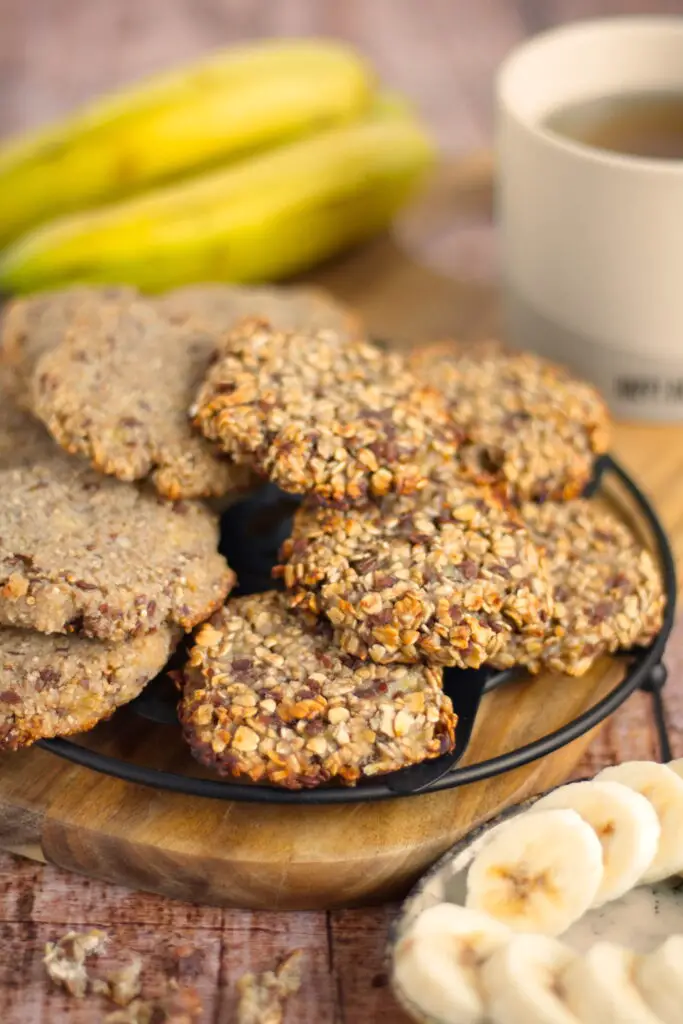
[
  {"x": 528, "y": 423},
  {"x": 116, "y": 389},
  {"x": 318, "y": 414},
  {"x": 268, "y": 696},
  {"x": 219, "y": 307},
  {"x": 607, "y": 589},
  {"x": 58, "y": 685},
  {"x": 32, "y": 326},
  {"x": 444, "y": 576},
  {"x": 85, "y": 554}
]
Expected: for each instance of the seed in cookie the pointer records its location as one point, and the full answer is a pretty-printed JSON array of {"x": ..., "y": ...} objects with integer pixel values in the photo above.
[
  {"x": 528, "y": 423},
  {"x": 32, "y": 326},
  {"x": 443, "y": 576},
  {"x": 268, "y": 696},
  {"x": 341, "y": 420},
  {"x": 115, "y": 388},
  {"x": 59, "y": 685},
  {"x": 607, "y": 589},
  {"x": 85, "y": 554}
]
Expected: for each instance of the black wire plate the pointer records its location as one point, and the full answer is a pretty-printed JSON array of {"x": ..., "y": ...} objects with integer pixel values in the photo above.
[{"x": 251, "y": 534}]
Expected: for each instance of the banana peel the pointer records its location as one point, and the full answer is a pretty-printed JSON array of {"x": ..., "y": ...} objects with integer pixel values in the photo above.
[
  {"x": 263, "y": 219},
  {"x": 235, "y": 103}
]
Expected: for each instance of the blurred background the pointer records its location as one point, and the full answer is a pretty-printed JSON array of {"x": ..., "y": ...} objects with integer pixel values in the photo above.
[
  {"x": 440, "y": 54},
  {"x": 55, "y": 54}
]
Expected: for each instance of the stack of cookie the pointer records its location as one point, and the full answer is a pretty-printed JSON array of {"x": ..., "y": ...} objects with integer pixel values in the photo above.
[
  {"x": 440, "y": 526},
  {"x": 99, "y": 578}
]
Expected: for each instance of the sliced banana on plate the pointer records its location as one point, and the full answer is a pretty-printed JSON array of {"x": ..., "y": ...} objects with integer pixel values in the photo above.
[
  {"x": 664, "y": 789},
  {"x": 436, "y": 963},
  {"x": 659, "y": 979},
  {"x": 537, "y": 873},
  {"x": 624, "y": 821},
  {"x": 521, "y": 982},
  {"x": 599, "y": 987}
]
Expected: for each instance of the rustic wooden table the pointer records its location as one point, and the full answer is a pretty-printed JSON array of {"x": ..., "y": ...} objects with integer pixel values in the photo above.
[{"x": 443, "y": 53}]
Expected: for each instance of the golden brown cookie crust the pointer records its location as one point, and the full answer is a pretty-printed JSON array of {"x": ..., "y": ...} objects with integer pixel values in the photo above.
[
  {"x": 607, "y": 589},
  {"x": 442, "y": 576},
  {"x": 528, "y": 423},
  {"x": 269, "y": 697},
  {"x": 341, "y": 420}
]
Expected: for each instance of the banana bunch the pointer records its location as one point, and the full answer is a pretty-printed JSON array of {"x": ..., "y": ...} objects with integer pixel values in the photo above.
[
  {"x": 498, "y": 959},
  {"x": 251, "y": 166}
]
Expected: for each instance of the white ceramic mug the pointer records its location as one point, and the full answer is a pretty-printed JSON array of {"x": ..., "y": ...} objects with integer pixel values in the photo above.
[{"x": 592, "y": 240}]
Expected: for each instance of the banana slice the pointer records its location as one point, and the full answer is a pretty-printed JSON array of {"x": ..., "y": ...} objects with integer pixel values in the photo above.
[
  {"x": 626, "y": 824},
  {"x": 599, "y": 988},
  {"x": 664, "y": 789},
  {"x": 436, "y": 964},
  {"x": 659, "y": 979},
  {"x": 538, "y": 873},
  {"x": 677, "y": 766},
  {"x": 521, "y": 982}
]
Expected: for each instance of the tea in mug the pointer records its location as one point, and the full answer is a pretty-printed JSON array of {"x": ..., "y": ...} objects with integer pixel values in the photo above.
[{"x": 642, "y": 124}]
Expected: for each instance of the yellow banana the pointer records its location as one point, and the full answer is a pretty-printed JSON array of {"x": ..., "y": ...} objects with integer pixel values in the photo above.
[
  {"x": 263, "y": 219},
  {"x": 234, "y": 103}
]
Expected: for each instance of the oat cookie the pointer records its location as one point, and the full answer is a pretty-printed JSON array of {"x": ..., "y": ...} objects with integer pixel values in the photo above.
[
  {"x": 340, "y": 419},
  {"x": 268, "y": 696},
  {"x": 443, "y": 576},
  {"x": 529, "y": 423},
  {"x": 31, "y": 326},
  {"x": 607, "y": 589},
  {"x": 85, "y": 554},
  {"x": 219, "y": 307},
  {"x": 116, "y": 388},
  {"x": 59, "y": 685}
]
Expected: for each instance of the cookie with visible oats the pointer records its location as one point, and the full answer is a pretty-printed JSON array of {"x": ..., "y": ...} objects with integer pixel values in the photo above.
[
  {"x": 82, "y": 553},
  {"x": 339, "y": 419},
  {"x": 32, "y": 326},
  {"x": 59, "y": 685},
  {"x": 444, "y": 576},
  {"x": 269, "y": 697},
  {"x": 607, "y": 589},
  {"x": 528, "y": 423},
  {"x": 116, "y": 387}
]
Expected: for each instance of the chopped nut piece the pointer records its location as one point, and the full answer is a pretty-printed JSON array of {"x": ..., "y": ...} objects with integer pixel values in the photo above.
[
  {"x": 316, "y": 706},
  {"x": 263, "y": 996},
  {"x": 245, "y": 739},
  {"x": 179, "y": 1005},
  {"x": 138, "y": 1012},
  {"x": 124, "y": 984},
  {"x": 65, "y": 960}
]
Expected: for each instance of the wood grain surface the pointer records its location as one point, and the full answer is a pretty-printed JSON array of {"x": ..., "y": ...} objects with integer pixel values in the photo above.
[{"x": 443, "y": 53}]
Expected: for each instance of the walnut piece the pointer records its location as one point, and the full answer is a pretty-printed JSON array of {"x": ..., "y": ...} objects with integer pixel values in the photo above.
[{"x": 263, "y": 996}]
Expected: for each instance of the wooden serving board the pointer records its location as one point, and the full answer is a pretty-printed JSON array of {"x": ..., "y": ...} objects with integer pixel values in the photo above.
[{"x": 293, "y": 857}]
